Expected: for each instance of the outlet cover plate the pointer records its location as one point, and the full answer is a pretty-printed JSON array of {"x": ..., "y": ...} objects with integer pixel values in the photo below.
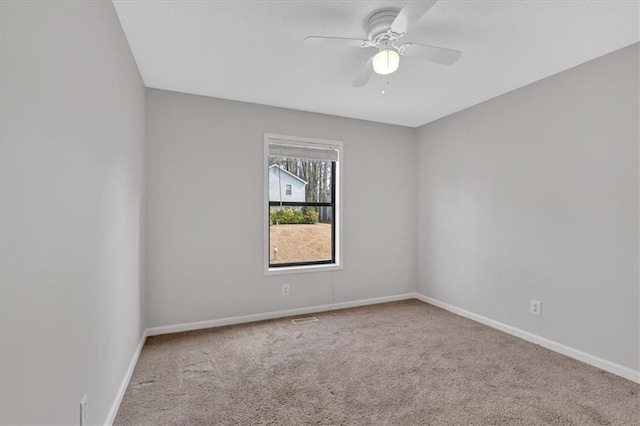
[
  {"x": 535, "y": 307},
  {"x": 84, "y": 410}
]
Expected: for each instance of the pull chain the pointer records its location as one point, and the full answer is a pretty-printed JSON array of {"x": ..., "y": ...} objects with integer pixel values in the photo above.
[
  {"x": 387, "y": 85},
  {"x": 388, "y": 67}
]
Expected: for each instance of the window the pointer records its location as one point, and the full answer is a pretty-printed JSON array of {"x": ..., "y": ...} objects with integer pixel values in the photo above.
[{"x": 301, "y": 204}]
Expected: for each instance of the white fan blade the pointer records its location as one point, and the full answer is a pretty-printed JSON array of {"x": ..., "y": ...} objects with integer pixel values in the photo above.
[
  {"x": 364, "y": 75},
  {"x": 409, "y": 15},
  {"x": 334, "y": 42},
  {"x": 440, "y": 55}
]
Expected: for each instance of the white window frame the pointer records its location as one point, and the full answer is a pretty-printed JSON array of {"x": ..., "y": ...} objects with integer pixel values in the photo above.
[
  {"x": 288, "y": 190},
  {"x": 313, "y": 142}
]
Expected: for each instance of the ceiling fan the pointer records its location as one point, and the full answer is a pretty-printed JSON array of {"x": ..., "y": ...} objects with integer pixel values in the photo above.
[{"x": 385, "y": 29}]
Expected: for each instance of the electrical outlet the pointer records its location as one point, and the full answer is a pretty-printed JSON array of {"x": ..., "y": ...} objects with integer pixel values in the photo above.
[
  {"x": 84, "y": 410},
  {"x": 285, "y": 289},
  {"x": 535, "y": 307}
]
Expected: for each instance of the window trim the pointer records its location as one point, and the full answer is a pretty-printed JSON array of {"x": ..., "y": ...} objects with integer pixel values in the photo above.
[
  {"x": 288, "y": 189},
  {"x": 337, "y": 225}
]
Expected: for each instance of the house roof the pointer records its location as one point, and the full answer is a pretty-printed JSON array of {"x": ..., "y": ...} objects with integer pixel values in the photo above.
[{"x": 288, "y": 172}]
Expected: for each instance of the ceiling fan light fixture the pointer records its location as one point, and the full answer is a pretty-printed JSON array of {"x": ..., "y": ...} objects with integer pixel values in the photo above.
[{"x": 386, "y": 61}]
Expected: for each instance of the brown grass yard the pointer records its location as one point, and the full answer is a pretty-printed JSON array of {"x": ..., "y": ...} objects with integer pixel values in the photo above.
[{"x": 300, "y": 243}]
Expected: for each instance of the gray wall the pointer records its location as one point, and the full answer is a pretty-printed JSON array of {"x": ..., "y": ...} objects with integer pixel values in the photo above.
[
  {"x": 534, "y": 194},
  {"x": 71, "y": 183},
  {"x": 205, "y": 244},
  {"x": 530, "y": 195}
]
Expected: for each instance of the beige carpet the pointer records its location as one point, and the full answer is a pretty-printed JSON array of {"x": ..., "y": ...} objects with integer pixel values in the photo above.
[{"x": 402, "y": 363}]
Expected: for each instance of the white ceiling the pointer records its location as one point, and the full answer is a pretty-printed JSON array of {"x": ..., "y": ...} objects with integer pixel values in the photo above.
[{"x": 252, "y": 51}]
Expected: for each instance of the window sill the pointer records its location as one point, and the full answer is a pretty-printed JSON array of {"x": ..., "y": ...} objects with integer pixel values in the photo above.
[{"x": 302, "y": 269}]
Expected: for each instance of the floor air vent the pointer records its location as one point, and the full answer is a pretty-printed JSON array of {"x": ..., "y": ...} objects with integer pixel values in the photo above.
[{"x": 304, "y": 320}]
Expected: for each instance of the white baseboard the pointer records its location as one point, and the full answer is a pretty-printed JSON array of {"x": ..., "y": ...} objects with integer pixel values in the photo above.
[
  {"x": 125, "y": 382},
  {"x": 154, "y": 331},
  {"x": 603, "y": 364}
]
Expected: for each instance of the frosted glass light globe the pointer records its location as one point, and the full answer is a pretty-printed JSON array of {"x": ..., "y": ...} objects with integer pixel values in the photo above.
[{"x": 386, "y": 61}]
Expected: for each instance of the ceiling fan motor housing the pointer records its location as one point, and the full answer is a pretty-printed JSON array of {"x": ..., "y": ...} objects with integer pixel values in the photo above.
[{"x": 379, "y": 27}]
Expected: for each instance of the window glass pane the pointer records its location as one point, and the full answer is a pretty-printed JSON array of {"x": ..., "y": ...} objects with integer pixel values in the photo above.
[
  {"x": 310, "y": 180},
  {"x": 300, "y": 234}
]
